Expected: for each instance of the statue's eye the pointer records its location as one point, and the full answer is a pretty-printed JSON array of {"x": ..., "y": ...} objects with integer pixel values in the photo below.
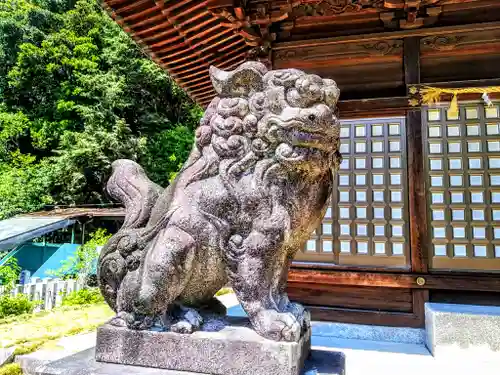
[{"x": 311, "y": 117}]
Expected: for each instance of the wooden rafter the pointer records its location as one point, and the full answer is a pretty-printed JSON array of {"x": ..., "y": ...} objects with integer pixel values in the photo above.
[{"x": 183, "y": 37}]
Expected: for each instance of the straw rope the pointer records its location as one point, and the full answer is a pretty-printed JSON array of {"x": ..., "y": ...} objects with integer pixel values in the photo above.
[{"x": 431, "y": 95}]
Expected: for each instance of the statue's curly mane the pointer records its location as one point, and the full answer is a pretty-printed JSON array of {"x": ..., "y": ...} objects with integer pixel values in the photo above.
[{"x": 241, "y": 126}]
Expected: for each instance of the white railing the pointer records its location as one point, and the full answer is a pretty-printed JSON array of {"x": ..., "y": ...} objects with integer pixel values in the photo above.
[{"x": 49, "y": 292}]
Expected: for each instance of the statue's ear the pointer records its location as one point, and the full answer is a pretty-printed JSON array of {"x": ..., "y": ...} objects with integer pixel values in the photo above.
[
  {"x": 243, "y": 81},
  {"x": 219, "y": 78}
]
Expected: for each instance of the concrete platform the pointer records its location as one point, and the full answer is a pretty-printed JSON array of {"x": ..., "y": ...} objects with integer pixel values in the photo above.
[
  {"x": 464, "y": 331},
  {"x": 6, "y": 355},
  {"x": 359, "y": 349},
  {"x": 319, "y": 363}
]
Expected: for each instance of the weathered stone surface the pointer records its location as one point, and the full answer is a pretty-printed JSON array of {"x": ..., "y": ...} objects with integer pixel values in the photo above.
[
  {"x": 220, "y": 348},
  {"x": 65, "y": 347},
  {"x": 466, "y": 331},
  {"x": 84, "y": 363},
  {"x": 254, "y": 187},
  {"x": 319, "y": 363}
]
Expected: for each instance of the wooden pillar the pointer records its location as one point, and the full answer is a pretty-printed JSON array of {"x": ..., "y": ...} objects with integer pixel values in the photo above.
[{"x": 416, "y": 179}]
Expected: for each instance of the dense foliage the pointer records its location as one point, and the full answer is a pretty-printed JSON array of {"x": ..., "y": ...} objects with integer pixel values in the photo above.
[
  {"x": 9, "y": 273},
  {"x": 15, "y": 305},
  {"x": 9, "y": 276},
  {"x": 76, "y": 93},
  {"x": 87, "y": 296}
]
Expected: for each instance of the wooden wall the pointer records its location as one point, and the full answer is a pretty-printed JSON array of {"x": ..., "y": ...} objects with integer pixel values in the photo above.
[{"x": 374, "y": 73}]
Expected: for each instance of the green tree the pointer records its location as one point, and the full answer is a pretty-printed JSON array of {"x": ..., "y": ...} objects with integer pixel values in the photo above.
[
  {"x": 9, "y": 273},
  {"x": 165, "y": 153},
  {"x": 24, "y": 185},
  {"x": 76, "y": 93}
]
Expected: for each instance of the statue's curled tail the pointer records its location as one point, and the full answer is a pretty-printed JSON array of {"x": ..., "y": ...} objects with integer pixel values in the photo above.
[{"x": 130, "y": 186}]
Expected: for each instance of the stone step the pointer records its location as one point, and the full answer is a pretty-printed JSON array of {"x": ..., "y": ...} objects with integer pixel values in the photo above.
[
  {"x": 399, "y": 335},
  {"x": 63, "y": 348},
  {"x": 320, "y": 362},
  {"x": 347, "y": 331},
  {"x": 463, "y": 331}
]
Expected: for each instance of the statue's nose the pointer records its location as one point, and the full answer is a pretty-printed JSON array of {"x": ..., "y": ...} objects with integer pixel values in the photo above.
[{"x": 290, "y": 113}]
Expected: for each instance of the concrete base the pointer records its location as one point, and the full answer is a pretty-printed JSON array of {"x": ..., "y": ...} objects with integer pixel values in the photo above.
[
  {"x": 230, "y": 348},
  {"x": 463, "y": 330},
  {"x": 348, "y": 331},
  {"x": 6, "y": 355},
  {"x": 319, "y": 363}
]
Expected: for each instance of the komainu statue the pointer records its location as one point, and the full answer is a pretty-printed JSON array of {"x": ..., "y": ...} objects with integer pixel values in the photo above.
[{"x": 254, "y": 187}]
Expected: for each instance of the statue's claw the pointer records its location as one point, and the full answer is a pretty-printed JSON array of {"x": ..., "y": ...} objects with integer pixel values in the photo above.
[
  {"x": 182, "y": 320},
  {"x": 279, "y": 326},
  {"x": 132, "y": 321},
  {"x": 118, "y": 322},
  {"x": 296, "y": 309},
  {"x": 182, "y": 326},
  {"x": 301, "y": 314}
]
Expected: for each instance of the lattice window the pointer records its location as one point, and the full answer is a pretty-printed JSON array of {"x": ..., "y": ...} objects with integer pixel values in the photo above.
[
  {"x": 366, "y": 223},
  {"x": 463, "y": 165}
]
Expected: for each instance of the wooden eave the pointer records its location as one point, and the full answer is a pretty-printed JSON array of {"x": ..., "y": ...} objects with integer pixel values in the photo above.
[
  {"x": 358, "y": 43},
  {"x": 182, "y": 37}
]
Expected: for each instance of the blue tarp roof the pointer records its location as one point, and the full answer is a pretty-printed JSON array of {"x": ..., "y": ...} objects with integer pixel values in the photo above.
[{"x": 20, "y": 229}]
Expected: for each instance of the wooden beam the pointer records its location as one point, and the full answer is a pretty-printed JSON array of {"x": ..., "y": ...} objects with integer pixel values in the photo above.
[
  {"x": 393, "y": 106},
  {"x": 353, "y": 316},
  {"x": 416, "y": 176},
  {"x": 420, "y": 297},
  {"x": 352, "y": 278},
  {"x": 442, "y": 281},
  {"x": 463, "y": 84},
  {"x": 327, "y": 265},
  {"x": 419, "y": 251},
  {"x": 374, "y": 37},
  {"x": 352, "y": 297},
  {"x": 411, "y": 60}
]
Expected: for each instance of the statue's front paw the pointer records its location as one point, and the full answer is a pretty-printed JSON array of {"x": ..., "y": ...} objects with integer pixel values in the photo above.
[
  {"x": 132, "y": 321},
  {"x": 118, "y": 321},
  {"x": 301, "y": 314},
  {"x": 278, "y": 326},
  {"x": 182, "y": 326},
  {"x": 182, "y": 320}
]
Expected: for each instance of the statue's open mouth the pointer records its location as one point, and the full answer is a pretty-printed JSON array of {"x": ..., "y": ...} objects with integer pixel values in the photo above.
[{"x": 311, "y": 139}]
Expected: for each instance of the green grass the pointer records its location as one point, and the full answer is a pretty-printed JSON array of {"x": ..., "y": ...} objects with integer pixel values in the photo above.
[
  {"x": 30, "y": 332},
  {"x": 11, "y": 369}
]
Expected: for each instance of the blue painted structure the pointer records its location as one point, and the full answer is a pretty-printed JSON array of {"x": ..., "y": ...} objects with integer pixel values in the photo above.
[
  {"x": 40, "y": 259},
  {"x": 64, "y": 252},
  {"x": 37, "y": 258}
]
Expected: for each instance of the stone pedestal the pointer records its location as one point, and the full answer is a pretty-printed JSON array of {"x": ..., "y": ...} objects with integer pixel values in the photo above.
[{"x": 222, "y": 348}]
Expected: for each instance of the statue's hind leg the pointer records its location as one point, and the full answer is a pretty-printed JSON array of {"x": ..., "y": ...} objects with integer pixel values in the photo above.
[{"x": 162, "y": 276}]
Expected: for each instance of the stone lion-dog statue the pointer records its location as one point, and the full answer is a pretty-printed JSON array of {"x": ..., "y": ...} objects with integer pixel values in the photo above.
[{"x": 256, "y": 184}]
